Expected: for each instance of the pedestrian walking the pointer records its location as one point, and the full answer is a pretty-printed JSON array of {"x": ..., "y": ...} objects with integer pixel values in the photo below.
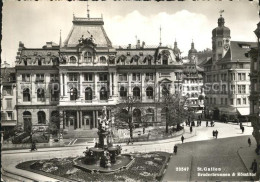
[
  {"x": 243, "y": 129},
  {"x": 207, "y": 124},
  {"x": 143, "y": 130},
  {"x": 249, "y": 142},
  {"x": 191, "y": 129},
  {"x": 254, "y": 166},
  {"x": 216, "y": 133},
  {"x": 241, "y": 126},
  {"x": 175, "y": 148},
  {"x": 182, "y": 138},
  {"x": 213, "y": 133}
]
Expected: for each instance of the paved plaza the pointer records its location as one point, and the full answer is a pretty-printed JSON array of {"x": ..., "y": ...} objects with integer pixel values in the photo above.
[{"x": 195, "y": 150}]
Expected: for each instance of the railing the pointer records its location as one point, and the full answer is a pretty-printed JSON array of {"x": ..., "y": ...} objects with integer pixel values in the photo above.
[{"x": 87, "y": 19}]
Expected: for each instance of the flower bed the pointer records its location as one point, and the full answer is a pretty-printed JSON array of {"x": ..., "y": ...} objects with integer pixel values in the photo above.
[{"x": 146, "y": 167}]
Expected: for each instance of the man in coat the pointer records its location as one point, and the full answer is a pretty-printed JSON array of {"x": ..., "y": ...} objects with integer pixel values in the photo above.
[
  {"x": 175, "y": 148},
  {"x": 182, "y": 138}
]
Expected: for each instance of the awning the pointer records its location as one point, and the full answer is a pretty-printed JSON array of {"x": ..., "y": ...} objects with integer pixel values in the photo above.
[
  {"x": 227, "y": 109},
  {"x": 199, "y": 112},
  {"x": 243, "y": 111}
]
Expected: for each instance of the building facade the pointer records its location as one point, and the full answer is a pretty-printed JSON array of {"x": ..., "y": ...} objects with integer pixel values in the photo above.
[
  {"x": 227, "y": 82},
  {"x": 74, "y": 80},
  {"x": 254, "y": 54},
  {"x": 8, "y": 97}
]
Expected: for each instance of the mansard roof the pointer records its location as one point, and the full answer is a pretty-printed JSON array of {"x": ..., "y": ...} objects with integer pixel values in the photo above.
[{"x": 87, "y": 27}]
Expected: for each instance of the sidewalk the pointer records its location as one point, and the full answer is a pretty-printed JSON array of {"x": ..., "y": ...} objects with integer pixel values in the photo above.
[{"x": 247, "y": 155}]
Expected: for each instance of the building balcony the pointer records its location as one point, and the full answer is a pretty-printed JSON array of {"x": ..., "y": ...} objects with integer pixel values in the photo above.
[{"x": 8, "y": 123}]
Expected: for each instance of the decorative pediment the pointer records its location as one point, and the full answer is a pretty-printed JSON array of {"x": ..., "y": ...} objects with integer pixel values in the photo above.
[{"x": 165, "y": 80}]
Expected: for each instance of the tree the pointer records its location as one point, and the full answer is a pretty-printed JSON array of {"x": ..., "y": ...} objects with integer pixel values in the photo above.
[
  {"x": 125, "y": 112},
  {"x": 174, "y": 106}
]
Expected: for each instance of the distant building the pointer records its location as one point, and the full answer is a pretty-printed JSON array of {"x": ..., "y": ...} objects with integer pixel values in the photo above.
[
  {"x": 8, "y": 97},
  {"x": 192, "y": 86},
  {"x": 227, "y": 83}
]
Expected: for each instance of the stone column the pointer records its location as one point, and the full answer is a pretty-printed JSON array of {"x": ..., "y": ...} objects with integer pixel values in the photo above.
[
  {"x": 80, "y": 84},
  {"x": 80, "y": 118},
  {"x": 116, "y": 85},
  {"x": 110, "y": 85},
  {"x": 77, "y": 119},
  {"x": 96, "y": 86},
  {"x": 61, "y": 84},
  {"x": 96, "y": 124},
  {"x": 65, "y": 84},
  {"x": 93, "y": 120},
  {"x": 142, "y": 85}
]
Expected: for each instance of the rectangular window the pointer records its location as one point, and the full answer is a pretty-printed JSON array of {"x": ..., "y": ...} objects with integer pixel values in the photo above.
[
  {"x": 255, "y": 66},
  {"x": 7, "y": 91},
  {"x": 102, "y": 77},
  {"x": 8, "y": 103},
  {"x": 239, "y": 89},
  {"x": 88, "y": 77},
  {"x": 243, "y": 76},
  {"x": 244, "y": 101},
  {"x": 233, "y": 89},
  {"x": 54, "y": 77},
  {"x": 226, "y": 101},
  {"x": 123, "y": 77},
  {"x": 219, "y": 43},
  {"x": 39, "y": 78},
  {"x": 221, "y": 101},
  {"x": 240, "y": 66},
  {"x": 243, "y": 89},
  {"x": 73, "y": 77},
  {"x": 9, "y": 115},
  {"x": 239, "y": 76},
  {"x": 148, "y": 76},
  {"x": 26, "y": 77},
  {"x": 136, "y": 77},
  {"x": 238, "y": 101},
  {"x": 225, "y": 77},
  {"x": 231, "y": 102}
]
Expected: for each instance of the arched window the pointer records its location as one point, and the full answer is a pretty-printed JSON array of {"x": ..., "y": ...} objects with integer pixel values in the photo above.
[
  {"x": 41, "y": 117},
  {"x": 73, "y": 94},
  {"x": 165, "y": 91},
  {"x": 73, "y": 59},
  {"x": 40, "y": 95},
  {"x": 136, "y": 93},
  {"x": 188, "y": 95},
  {"x": 39, "y": 62},
  {"x": 165, "y": 60},
  {"x": 88, "y": 93},
  {"x": 27, "y": 120},
  {"x": 137, "y": 116},
  {"x": 87, "y": 57},
  {"x": 55, "y": 61},
  {"x": 149, "y": 93},
  {"x": 192, "y": 95},
  {"x": 55, "y": 94},
  {"x": 26, "y": 95},
  {"x": 103, "y": 60},
  {"x": 103, "y": 94},
  {"x": 123, "y": 92}
]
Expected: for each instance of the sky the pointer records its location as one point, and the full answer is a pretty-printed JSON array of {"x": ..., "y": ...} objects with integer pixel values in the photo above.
[{"x": 35, "y": 23}]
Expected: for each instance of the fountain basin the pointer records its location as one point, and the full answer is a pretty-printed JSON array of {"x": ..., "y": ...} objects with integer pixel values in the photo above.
[{"x": 122, "y": 162}]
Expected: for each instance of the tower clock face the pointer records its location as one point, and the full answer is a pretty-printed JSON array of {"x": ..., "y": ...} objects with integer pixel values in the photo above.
[{"x": 226, "y": 46}]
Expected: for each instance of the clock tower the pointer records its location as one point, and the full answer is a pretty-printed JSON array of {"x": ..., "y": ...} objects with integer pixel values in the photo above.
[{"x": 220, "y": 39}]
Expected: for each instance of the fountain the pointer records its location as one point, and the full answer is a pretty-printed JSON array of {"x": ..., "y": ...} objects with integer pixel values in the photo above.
[{"x": 103, "y": 157}]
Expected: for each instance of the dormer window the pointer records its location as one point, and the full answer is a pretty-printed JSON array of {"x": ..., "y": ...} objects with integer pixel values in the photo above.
[
  {"x": 39, "y": 62},
  {"x": 128, "y": 53},
  {"x": 87, "y": 57},
  {"x": 165, "y": 60},
  {"x": 35, "y": 54},
  {"x": 141, "y": 53},
  {"x": 103, "y": 60},
  {"x": 73, "y": 59}
]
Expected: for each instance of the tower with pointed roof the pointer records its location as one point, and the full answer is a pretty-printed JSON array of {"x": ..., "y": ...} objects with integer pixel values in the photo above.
[
  {"x": 220, "y": 39},
  {"x": 193, "y": 54}
]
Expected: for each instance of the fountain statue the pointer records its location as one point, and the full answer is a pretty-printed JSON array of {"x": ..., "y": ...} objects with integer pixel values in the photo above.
[{"x": 104, "y": 152}]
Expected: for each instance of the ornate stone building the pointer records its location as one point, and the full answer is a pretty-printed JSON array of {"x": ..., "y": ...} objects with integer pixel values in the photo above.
[
  {"x": 227, "y": 84},
  {"x": 75, "y": 80}
]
